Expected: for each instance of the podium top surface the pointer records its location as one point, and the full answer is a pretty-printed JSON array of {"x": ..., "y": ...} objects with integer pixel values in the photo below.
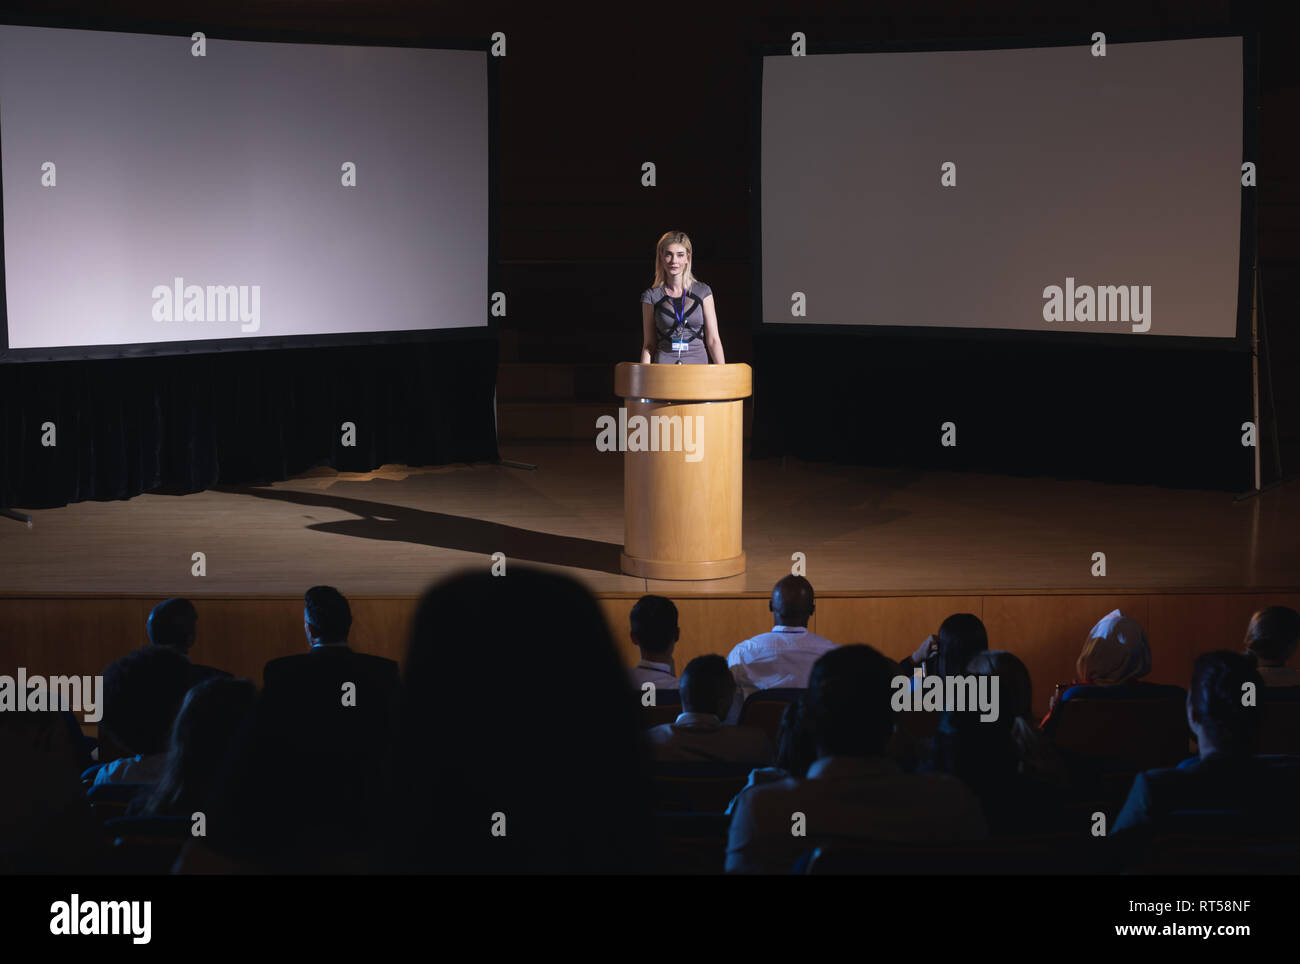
[{"x": 703, "y": 383}]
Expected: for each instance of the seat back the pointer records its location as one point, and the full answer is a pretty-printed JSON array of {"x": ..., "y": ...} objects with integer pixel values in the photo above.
[
  {"x": 1280, "y": 730},
  {"x": 668, "y": 704},
  {"x": 697, "y": 787},
  {"x": 110, "y": 800},
  {"x": 1225, "y": 844},
  {"x": 1133, "y": 734},
  {"x": 691, "y": 843},
  {"x": 147, "y": 845},
  {"x": 764, "y": 709},
  {"x": 1061, "y": 853}
]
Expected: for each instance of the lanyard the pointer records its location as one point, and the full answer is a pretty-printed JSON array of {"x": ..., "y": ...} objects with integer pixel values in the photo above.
[{"x": 680, "y": 313}]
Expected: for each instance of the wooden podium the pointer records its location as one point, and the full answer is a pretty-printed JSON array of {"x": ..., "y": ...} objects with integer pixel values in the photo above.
[{"x": 682, "y": 498}]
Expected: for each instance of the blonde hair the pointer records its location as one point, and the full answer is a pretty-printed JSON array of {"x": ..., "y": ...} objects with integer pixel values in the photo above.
[{"x": 661, "y": 276}]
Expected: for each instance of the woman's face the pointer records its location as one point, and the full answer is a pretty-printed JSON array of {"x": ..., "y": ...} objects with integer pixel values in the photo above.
[{"x": 675, "y": 263}]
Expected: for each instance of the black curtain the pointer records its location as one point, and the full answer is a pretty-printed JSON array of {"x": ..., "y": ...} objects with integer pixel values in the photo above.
[
  {"x": 1167, "y": 417},
  {"x": 186, "y": 423}
]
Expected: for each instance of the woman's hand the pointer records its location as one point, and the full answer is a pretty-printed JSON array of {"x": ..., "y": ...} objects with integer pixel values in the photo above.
[{"x": 930, "y": 646}]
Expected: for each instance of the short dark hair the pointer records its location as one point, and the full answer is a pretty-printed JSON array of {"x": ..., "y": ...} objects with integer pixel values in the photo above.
[
  {"x": 707, "y": 684},
  {"x": 654, "y": 623},
  {"x": 849, "y": 693},
  {"x": 142, "y": 694},
  {"x": 329, "y": 612},
  {"x": 171, "y": 624},
  {"x": 1273, "y": 632},
  {"x": 1218, "y": 681},
  {"x": 961, "y": 636}
]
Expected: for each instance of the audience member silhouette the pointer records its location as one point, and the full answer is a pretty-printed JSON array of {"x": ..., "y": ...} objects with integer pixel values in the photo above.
[
  {"x": 46, "y": 824},
  {"x": 990, "y": 755},
  {"x": 142, "y": 694},
  {"x": 173, "y": 624},
  {"x": 947, "y": 652},
  {"x": 1036, "y": 757},
  {"x": 698, "y": 734},
  {"x": 336, "y": 699},
  {"x": 654, "y": 632},
  {"x": 488, "y": 784},
  {"x": 853, "y": 791},
  {"x": 783, "y": 657},
  {"x": 1272, "y": 638},
  {"x": 211, "y": 717},
  {"x": 1115, "y": 658},
  {"x": 1225, "y": 777},
  {"x": 796, "y": 750}
]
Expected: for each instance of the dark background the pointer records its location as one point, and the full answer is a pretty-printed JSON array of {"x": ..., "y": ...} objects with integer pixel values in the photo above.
[{"x": 586, "y": 95}]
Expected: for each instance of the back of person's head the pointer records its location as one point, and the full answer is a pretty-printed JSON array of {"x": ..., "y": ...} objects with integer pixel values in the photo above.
[
  {"x": 142, "y": 694},
  {"x": 654, "y": 624},
  {"x": 796, "y": 746},
  {"x": 848, "y": 701},
  {"x": 1217, "y": 702},
  {"x": 209, "y": 720},
  {"x": 1015, "y": 690},
  {"x": 707, "y": 685},
  {"x": 1116, "y": 652},
  {"x": 526, "y": 792},
  {"x": 328, "y": 613},
  {"x": 172, "y": 624},
  {"x": 793, "y": 601},
  {"x": 961, "y": 636},
  {"x": 1273, "y": 634}
]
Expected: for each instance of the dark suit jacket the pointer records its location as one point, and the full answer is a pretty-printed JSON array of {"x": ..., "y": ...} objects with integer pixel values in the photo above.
[
  {"x": 1265, "y": 789},
  {"x": 201, "y": 674},
  {"x": 307, "y": 692}
]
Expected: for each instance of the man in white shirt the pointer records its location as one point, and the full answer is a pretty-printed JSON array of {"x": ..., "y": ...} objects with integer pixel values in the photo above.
[
  {"x": 654, "y": 632},
  {"x": 783, "y": 657},
  {"x": 698, "y": 735}
]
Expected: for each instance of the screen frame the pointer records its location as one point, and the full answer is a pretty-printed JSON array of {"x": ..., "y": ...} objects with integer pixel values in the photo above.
[
  {"x": 1248, "y": 246},
  {"x": 489, "y": 330}
]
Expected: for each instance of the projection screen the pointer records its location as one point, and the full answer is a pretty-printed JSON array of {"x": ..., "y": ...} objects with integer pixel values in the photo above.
[
  {"x": 258, "y": 194},
  {"x": 1041, "y": 189}
]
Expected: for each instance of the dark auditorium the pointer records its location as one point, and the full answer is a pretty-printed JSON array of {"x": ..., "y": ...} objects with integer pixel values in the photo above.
[{"x": 354, "y": 528}]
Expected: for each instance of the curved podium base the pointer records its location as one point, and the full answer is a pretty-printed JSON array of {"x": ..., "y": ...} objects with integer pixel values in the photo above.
[{"x": 667, "y": 569}]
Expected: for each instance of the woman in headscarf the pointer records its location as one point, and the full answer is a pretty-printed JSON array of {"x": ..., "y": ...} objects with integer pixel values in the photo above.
[{"x": 1112, "y": 664}]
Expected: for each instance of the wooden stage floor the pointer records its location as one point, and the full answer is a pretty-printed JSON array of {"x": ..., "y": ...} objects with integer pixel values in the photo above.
[{"x": 862, "y": 530}]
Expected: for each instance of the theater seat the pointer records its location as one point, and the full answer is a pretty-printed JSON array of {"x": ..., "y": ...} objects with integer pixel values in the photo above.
[
  {"x": 666, "y": 709},
  {"x": 1072, "y": 853},
  {"x": 147, "y": 845},
  {"x": 1128, "y": 734},
  {"x": 696, "y": 787},
  {"x": 1280, "y": 732},
  {"x": 692, "y": 843},
  {"x": 765, "y": 708},
  {"x": 1219, "y": 842},
  {"x": 110, "y": 800}
]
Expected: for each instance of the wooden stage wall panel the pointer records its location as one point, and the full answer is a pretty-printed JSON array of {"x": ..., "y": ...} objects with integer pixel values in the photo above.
[{"x": 80, "y": 634}]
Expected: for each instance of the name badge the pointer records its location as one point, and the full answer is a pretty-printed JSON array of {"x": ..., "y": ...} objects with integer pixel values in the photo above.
[{"x": 681, "y": 346}]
